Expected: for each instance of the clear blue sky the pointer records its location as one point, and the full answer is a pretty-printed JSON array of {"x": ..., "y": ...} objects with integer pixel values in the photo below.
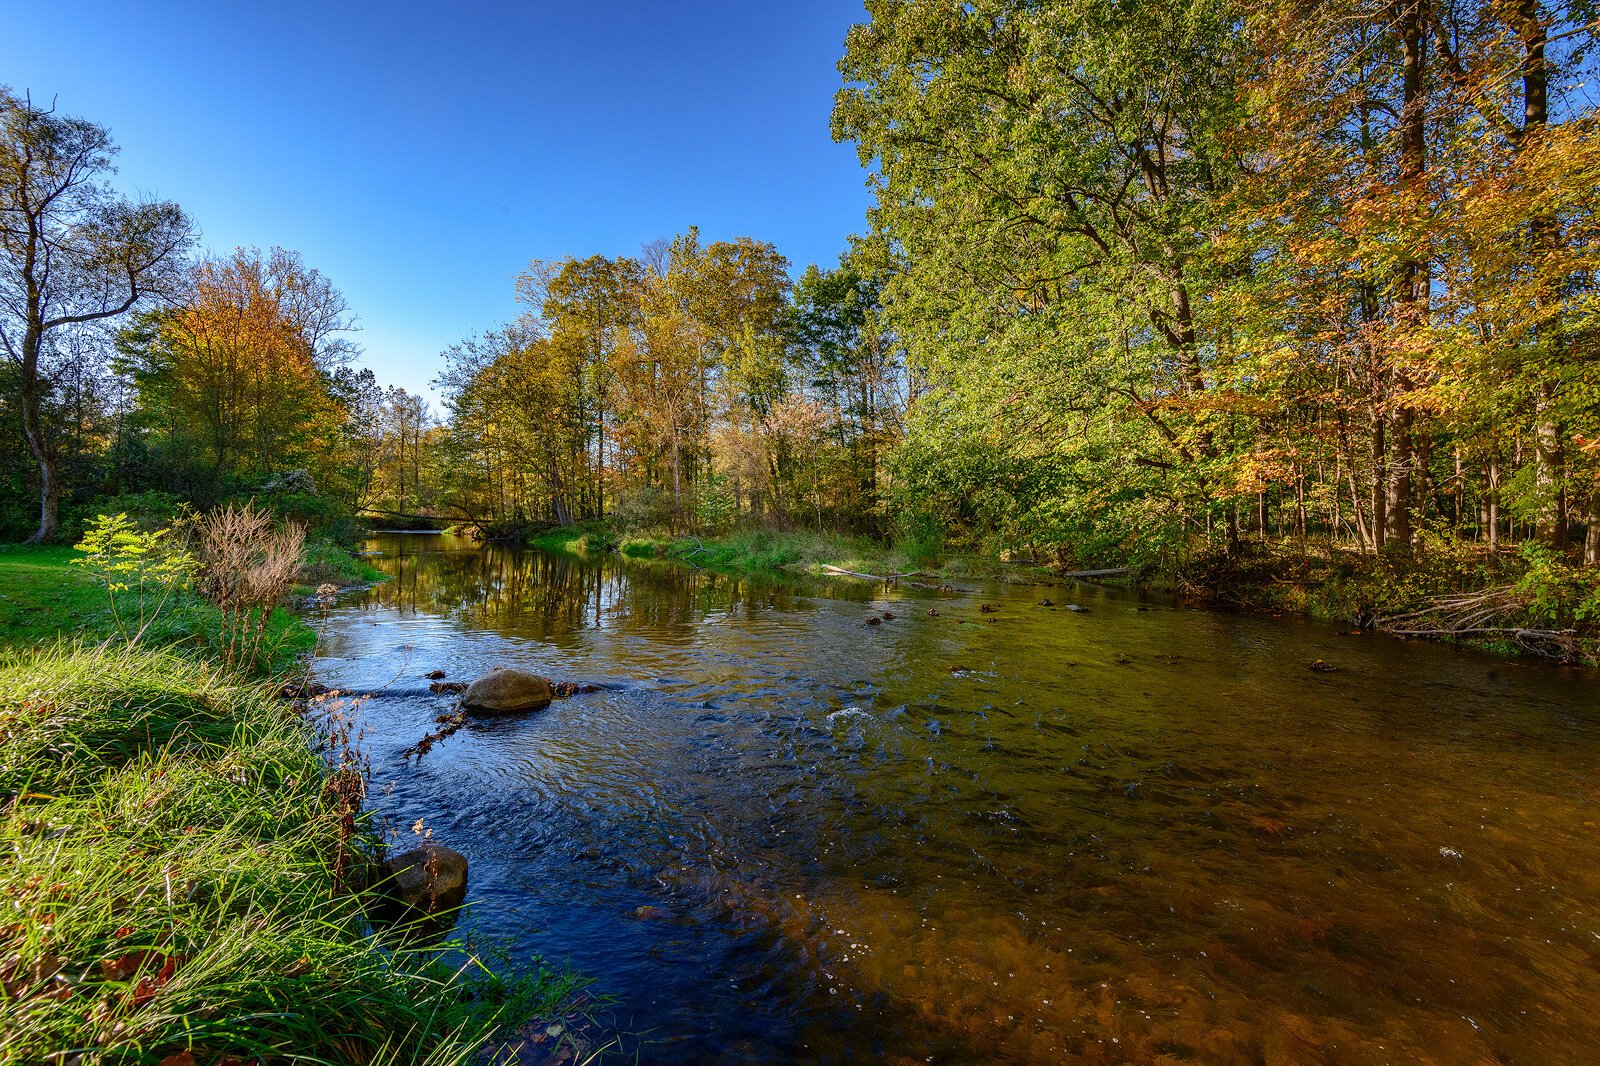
[{"x": 420, "y": 154}]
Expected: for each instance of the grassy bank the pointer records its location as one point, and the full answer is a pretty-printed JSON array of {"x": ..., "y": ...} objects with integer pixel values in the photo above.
[
  {"x": 43, "y": 597},
  {"x": 755, "y": 551},
  {"x": 172, "y": 845},
  {"x": 183, "y": 873},
  {"x": 1515, "y": 601}
]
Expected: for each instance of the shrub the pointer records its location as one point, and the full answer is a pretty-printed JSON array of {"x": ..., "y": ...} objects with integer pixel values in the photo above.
[{"x": 247, "y": 565}]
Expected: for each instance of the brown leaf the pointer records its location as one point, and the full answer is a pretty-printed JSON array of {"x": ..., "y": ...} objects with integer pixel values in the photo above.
[{"x": 182, "y": 1058}]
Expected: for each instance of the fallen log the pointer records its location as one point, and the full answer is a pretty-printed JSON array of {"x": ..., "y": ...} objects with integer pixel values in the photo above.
[
  {"x": 842, "y": 572},
  {"x": 1114, "y": 571}
]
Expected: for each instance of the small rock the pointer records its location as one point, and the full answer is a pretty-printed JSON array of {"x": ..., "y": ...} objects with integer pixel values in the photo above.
[
  {"x": 1079, "y": 608},
  {"x": 888, "y": 616},
  {"x": 434, "y": 675},
  {"x": 1046, "y": 603},
  {"x": 504, "y": 691},
  {"x": 431, "y": 878},
  {"x": 874, "y": 621},
  {"x": 647, "y": 914},
  {"x": 443, "y": 687},
  {"x": 1322, "y": 667},
  {"x": 933, "y": 612},
  {"x": 988, "y": 608}
]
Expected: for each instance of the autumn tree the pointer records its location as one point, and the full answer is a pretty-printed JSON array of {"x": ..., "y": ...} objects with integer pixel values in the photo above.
[{"x": 240, "y": 376}]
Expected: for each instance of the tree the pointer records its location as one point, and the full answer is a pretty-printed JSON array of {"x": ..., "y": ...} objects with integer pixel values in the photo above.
[
  {"x": 1048, "y": 179},
  {"x": 72, "y": 253},
  {"x": 243, "y": 373}
]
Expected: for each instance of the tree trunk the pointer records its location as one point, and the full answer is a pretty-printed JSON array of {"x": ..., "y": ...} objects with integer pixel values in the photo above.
[
  {"x": 1397, "y": 486},
  {"x": 1550, "y": 462},
  {"x": 1380, "y": 483},
  {"x": 1492, "y": 502},
  {"x": 49, "y": 469}
]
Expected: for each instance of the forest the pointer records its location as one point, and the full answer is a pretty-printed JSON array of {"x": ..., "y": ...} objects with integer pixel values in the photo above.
[{"x": 1164, "y": 287}]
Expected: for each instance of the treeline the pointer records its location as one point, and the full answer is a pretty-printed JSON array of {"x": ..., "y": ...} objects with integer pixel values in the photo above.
[
  {"x": 1174, "y": 274},
  {"x": 139, "y": 375},
  {"x": 692, "y": 387}
]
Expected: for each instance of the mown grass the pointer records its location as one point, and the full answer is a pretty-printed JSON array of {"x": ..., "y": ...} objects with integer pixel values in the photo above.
[
  {"x": 172, "y": 884},
  {"x": 43, "y": 596}
]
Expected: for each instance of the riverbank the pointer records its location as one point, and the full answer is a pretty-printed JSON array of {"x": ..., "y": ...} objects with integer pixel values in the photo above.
[
  {"x": 807, "y": 552},
  {"x": 186, "y": 857},
  {"x": 1522, "y": 602}
]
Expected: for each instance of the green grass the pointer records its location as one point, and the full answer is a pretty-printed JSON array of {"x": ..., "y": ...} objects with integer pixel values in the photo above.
[
  {"x": 802, "y": 551},
  {"x": 767, "y": 551},
  {"x": 44, "y": 597},
  {"x": 590, "y": 538},
  {"x": 327, "y": 563},
  {"x": 171, "y": 884}
]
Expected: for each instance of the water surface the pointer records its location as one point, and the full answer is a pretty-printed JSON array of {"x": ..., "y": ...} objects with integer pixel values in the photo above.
[{"x": 1132, "y": 833}]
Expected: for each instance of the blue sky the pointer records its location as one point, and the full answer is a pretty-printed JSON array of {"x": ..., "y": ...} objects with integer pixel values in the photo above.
[{"x": 420, "y": 154}]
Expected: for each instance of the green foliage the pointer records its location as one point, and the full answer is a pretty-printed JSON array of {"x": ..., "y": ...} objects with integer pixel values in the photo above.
[
  {"x": 715, "y": 507},
  {"x": 1559, "y": 595},
  {"x": 328, "y": 563},
  {"x": 137, "y": 567}
]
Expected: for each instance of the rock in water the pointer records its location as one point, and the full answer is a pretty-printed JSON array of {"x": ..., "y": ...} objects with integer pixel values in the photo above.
[
  {"x": 430, "y": 879},
  {"x": 506, "y": 692}
]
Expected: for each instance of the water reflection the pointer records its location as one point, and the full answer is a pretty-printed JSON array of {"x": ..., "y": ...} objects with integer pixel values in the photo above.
[{"x": 1022, "y": 835}]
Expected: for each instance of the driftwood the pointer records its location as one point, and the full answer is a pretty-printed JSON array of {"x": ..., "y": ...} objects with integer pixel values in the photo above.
[
  {"x": 1115, "y": 571},
  {"x": 1490, "y": 613},
  {"x": 842, "y": 572}
]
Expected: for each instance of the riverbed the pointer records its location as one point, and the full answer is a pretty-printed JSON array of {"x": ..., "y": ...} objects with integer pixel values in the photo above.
[{"x": 987, "y": 829}]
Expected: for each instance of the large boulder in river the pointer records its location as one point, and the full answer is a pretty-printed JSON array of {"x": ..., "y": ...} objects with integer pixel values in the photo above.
[
  {"x": 428, "y": 879},
  {"x": 507, "y": 692}
]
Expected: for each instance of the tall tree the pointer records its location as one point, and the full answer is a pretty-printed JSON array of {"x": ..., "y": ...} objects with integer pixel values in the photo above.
[{"x": 72, "y": 253}]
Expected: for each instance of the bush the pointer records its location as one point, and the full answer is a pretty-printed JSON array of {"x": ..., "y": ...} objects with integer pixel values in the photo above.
[{"x": 149, "y": 511}]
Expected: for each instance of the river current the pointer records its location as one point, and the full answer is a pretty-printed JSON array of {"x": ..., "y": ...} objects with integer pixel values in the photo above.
[{"x": 1129, "y": 833}]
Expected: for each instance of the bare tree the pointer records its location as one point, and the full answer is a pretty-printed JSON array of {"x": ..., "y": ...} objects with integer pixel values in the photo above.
[{"x": 72, "y": 253}]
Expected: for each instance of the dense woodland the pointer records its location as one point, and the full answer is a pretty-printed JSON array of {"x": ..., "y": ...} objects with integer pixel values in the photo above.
[{"x": 1143, "y": 283}]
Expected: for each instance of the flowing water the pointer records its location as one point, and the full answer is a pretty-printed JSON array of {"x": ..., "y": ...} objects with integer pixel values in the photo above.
[{"x": 1132, "y": 833}]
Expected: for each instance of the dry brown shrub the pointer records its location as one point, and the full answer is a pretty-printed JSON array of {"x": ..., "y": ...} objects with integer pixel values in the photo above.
[{"x": 248, "y": 564}]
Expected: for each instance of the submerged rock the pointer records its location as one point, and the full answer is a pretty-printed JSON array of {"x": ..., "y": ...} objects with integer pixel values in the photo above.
[
  {"x": 430, "y": 879},
  {"x": 507, "y": 692}
]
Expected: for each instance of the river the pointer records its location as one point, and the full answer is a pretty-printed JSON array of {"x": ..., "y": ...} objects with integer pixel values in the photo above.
[{"x": 1130, "y": 833}]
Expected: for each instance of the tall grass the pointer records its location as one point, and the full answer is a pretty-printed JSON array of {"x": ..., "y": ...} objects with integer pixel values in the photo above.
[{"x": 171, "y": 888}]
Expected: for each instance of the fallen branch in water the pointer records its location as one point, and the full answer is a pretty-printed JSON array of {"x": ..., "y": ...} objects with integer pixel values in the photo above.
[
  {"x": 1488, "y": 613},
  {"x": 1114, "y": 571},
  {"x": 842, "y": 572}
]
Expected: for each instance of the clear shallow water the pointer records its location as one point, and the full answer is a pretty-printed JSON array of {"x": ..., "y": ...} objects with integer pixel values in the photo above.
[{"x": 1123, "y": 835}]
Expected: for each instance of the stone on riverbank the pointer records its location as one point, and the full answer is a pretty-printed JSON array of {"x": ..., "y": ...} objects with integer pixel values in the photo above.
[
  {"x": 507, "y": 692},
  {"x": 429, "y": 879}
]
